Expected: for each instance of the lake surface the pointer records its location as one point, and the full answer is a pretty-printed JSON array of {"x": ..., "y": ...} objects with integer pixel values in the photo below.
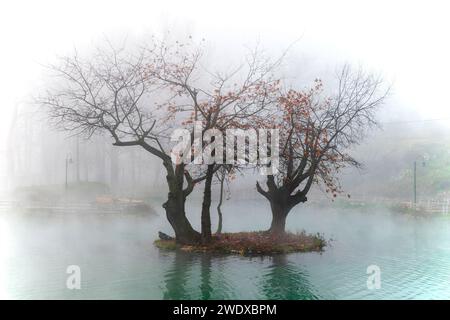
[{"x": 118, "y": 260}]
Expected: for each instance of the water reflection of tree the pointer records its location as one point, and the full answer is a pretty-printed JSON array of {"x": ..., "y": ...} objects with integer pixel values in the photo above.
[
  {"x": 176, "y": 277},
  {"x": 286, "y": 281},
  {"x": 184, "y": 268},
  {"x": 205, "y": 277}
]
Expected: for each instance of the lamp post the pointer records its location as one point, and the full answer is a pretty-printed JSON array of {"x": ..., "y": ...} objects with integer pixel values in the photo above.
[{"x": 68, "y": 161}]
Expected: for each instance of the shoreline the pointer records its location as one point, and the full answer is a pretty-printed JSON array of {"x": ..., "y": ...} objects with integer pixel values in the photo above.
[{"x": 252, "y": 243}]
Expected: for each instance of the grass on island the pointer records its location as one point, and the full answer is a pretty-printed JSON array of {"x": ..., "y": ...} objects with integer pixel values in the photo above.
[{"x": 253, "y": 243}]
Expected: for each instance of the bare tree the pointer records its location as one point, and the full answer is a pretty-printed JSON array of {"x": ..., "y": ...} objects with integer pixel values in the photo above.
[
  {"x": 228, "y": 100},
  {"x": 112, "y": 92},
  {"x": 139, "y": 97},
  {"x": 315, "y": 134}
]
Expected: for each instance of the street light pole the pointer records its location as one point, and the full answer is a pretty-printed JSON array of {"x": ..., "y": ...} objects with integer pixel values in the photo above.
[{"x": 68, "y": 161}]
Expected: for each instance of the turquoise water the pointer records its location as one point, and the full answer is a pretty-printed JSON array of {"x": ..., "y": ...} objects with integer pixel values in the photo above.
[{"x": 118, "y": 261}]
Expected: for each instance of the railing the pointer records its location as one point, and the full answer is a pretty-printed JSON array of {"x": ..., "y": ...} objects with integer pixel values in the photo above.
[
  {"x": 431, "y": 206},
  {"x": 104, "y": 207},
  {"x": 425, "y": 206}
]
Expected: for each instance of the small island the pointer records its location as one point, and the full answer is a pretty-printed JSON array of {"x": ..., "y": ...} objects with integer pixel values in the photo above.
[{"x": 252, "y": 243}]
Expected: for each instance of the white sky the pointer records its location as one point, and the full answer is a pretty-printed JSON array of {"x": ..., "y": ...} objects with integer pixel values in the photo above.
[{"x": 406, "y": 40}]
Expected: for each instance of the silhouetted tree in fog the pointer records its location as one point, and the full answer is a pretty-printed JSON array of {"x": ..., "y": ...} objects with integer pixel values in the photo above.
[
  {"x": 215, "y": 101},
  {"x": 113, "y": 93},
  {"x": 139, "y": 97},
  {"x": 316, "y": 132}
]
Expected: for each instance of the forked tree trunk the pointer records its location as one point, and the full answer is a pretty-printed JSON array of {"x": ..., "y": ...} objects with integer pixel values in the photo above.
[
  {"x": 281, "y": 202},
  {"x": 176, "y": 215},
  {"x": 175, "y": 207}
]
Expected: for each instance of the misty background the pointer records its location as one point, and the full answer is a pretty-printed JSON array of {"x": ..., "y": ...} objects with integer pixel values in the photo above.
[{"x": 404, "y": 41}]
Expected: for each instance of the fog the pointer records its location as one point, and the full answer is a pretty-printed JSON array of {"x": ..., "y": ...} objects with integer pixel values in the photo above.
[
  {"x": 403, "y": 41},
  {"x": 46, "y": 172}
]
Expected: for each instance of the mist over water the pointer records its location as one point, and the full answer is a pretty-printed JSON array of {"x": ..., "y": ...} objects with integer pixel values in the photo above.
[
  {"x": 118, "y": 260},
  {"x": 69, "y": 199}
]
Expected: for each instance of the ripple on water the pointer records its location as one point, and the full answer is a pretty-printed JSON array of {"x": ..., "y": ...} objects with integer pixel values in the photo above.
[{"x": 118, "y": 259}]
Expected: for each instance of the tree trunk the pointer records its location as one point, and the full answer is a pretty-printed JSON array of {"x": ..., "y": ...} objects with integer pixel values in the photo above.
[
  {"x": 206, "y": 205},
  {"x": 219, "y": 223},
  {"x": 219, "y": 211},
  {"x": 280, "y": 210},
  {"x": 175, "y": 207},
  {"x": 176, "y": 215}
]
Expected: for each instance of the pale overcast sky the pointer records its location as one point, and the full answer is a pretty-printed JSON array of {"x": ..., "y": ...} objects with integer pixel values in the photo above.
[{"x": 405, "y": 40}]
